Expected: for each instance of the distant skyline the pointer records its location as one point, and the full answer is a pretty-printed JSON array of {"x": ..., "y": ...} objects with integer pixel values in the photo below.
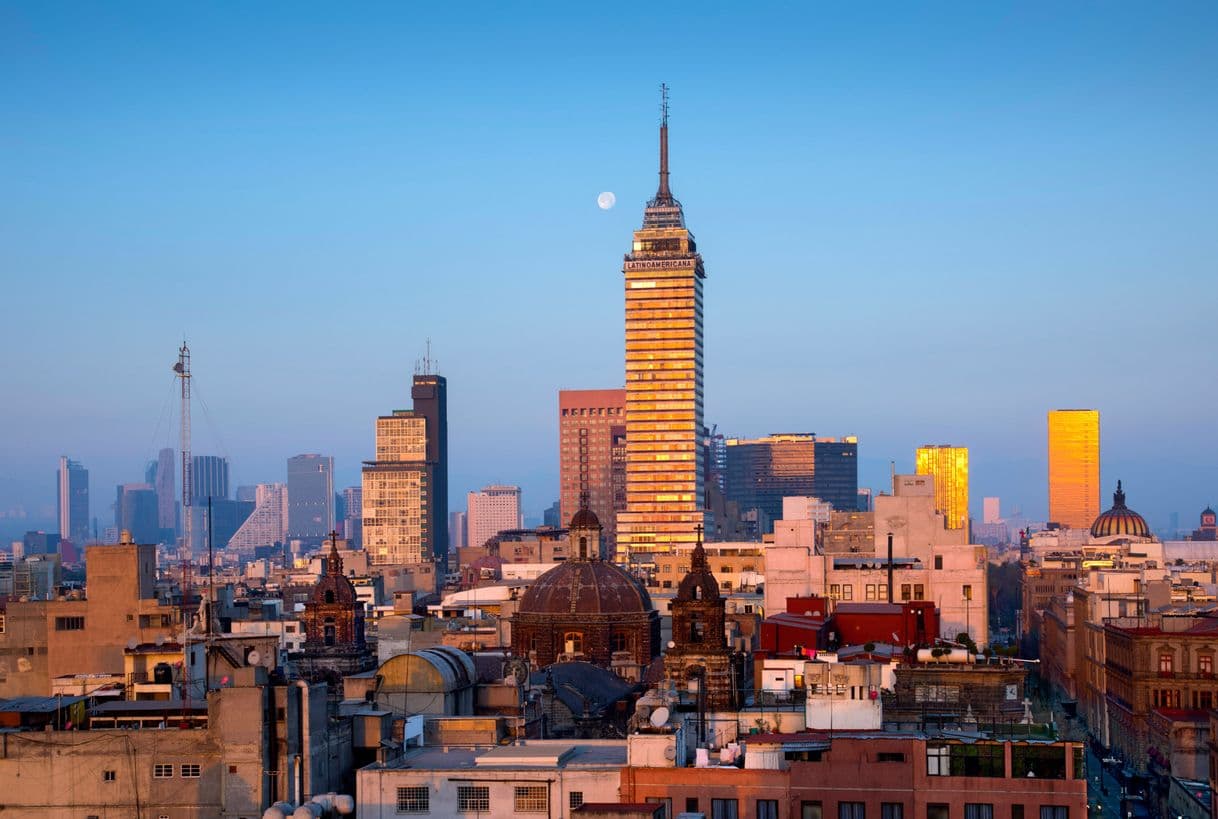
[{"x": 924, "y": 224}]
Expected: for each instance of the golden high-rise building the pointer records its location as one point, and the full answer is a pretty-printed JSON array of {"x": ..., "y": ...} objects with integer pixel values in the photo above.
[
  {"x": 397, "y": 488},
  {"x": 1074, "y": 467},
  {"x": 949, "y": 467},
  {"x": 664, "y": 453}
]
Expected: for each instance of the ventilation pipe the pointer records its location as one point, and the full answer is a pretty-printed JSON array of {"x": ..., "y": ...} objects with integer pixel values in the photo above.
[{"x": 890, "y": 567}]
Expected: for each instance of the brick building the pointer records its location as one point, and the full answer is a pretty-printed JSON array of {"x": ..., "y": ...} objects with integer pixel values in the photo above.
[
  {"x": 699, "y": 651},
  {"x": 333, "y": 621}
]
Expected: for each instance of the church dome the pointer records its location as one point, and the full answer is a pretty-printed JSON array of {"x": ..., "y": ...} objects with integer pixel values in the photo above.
[
  {"x": 1120, "y": 519},
  {"x": 585, "y": 518},
  {"x": 586, "y": 587}
]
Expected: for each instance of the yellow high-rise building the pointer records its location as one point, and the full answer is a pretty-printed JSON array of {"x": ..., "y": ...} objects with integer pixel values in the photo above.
[
  {"x": 1074, "y": 467},
  {"x": 949, "y": 467},
  {"x": 664, "y": 453},
  {"x": 397, "y": 486}
]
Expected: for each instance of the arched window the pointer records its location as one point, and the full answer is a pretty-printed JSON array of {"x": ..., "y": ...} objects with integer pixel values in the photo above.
[
  {"x": 329, "y": 596},
  {"x": 329, "y": 632},
  {"x": 697, "y": 630},
  {"x": 573, "y": 642}
]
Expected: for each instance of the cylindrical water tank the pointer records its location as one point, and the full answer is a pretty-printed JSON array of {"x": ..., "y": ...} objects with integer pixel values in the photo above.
[
  {"x": 309, "y": 810},
  {"x": 275, "y": 812}
]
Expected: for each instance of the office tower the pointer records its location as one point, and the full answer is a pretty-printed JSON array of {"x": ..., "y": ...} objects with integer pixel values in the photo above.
[
  {"x": 990, "y": 511},
  {"x": 268, "y": 524},
  {"x": 310, "y": 497},
  {"x": 135, "y": 510},
  {"x": 405, "y": 489},
  {"x": 247, "y": 493},
  {"x": 586, "y": 423},
  {"x": 948, "y": 465},
  {"x": 664, "y": 458},
  {"x": 864, "y": 499},
  {"x": 490, "y": 511},
  {"x": 429, "y": 397},
  {"x": 1074, "y": 467},
  {"x": 456, "y": 530},
  {"x": 552, "y": 516},
  {"x": 352, "y": 527},
  {"x": 760, "y": 472},
  {"x": 209, "y": 478},
  {"x": 39, "y": 543},
  {"x": 73, "y": 498}
]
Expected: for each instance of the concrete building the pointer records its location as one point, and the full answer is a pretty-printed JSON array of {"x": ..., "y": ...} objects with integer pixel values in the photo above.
[
  {"x": 310, "y": 497},
  {"x": 930, "y": 562},
  {"x": 588, "y": 423},
  {"x": 664, "y": 419},
  {"x": 45, "y": 639},
  {"x": 352, "y": 525},
  {"x": 72, "y": 480},
  {"x": 545, "y": 777},
  {"x": 948, "y": 465},
  {"x": 490, "y": 511},
  {"x": 991, "y": 511}
]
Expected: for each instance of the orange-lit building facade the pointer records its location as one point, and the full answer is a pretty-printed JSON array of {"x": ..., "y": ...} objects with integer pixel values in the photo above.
[
  {"x": 1074, "y": 467},
  {"x": 948, "y": 465},
  {"x": 589, "y": 421},
  {"x": 664, "y": 452}
]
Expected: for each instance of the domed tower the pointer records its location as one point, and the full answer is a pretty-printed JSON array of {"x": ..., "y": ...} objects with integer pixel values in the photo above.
[
  {"x": 1120, "y": 520},
  {"x": 587, "y": 609},
  {"x": 334, "y": 643},
  {"x": 699, "y": 649}
]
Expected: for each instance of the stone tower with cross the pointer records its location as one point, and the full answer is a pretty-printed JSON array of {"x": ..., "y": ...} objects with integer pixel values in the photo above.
[{"x": 699, "y": 660}]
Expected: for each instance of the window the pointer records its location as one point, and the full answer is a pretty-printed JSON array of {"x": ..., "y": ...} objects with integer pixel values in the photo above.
[
  {"x": 1016, "y": 811},
  {"x": 892, "y": 810},
  {"x": 618, "y": 641},
  {"x": 835, "y": 591},
  {"x": 69, "y": 623},
  {"x": 573, "y": 642},
  {"x": 190, "y": 771},
  {"x": 890, "y": 756},
  {"x": 575, "y": 799},
  {"x": 883, "y": 591},
  {"x": 662, "y": 800},
  {"x": 851, "y": 810},
  {"x": 767, "y": 809},
  {"x": 937, "y": 760},
  {"x": 966, "y": 592},
  {"x": 531, "y": 799},
  {"x": 723, "y": 809},
  {"x": 938, "y": 812},
  {"x": 981, "y": 759},
  {"x": 109, "y": 776},
  {"x": 414, "y": 799},
  {"x": 919, "y": 591},
  {"x": 978, "y": 810},
  {"x": 906, "y": 591},
  {"x": 810, "y": 810},
  {"x": 473, "y": 798},
  {"x": 869, "y": 592},
  {"x": 162, "y": 771},
  {"x": 1054, "y": 812},
  {"x": 847, "y": 591},
  {"x": 691, "y": 804},
  {"x": 1165, "y": 662},
  {"x": 1205, "y": 662},
  {"x": 938, "y": 561},
  {"x": 1039, "y": 761}
]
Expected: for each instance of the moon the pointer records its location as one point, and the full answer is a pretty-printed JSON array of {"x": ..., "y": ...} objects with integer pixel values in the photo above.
[{"x": 606, "y": 200}]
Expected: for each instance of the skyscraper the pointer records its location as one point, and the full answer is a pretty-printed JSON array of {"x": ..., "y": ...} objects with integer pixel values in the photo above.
[
  {"x": 72, "y": 480},
  {"x": 352, "y": 524},
  {"x": 948, "y": 465},
  {"x": 405, "y": 489},
  {"x": 268, "y": 524},
  {"x": 490, "y": 511},
  {"x": 209, "y": 478},
  {"x": 164, "y": 482},
  {"x": 135, "y": 511},
  {"x": 760, "y": 472},
  {"x": 587, "y": 421},
  {"x": 664, "y": 452},
  {"x": 1074, "y": 467},
  {"x": 310, "y": 497}
]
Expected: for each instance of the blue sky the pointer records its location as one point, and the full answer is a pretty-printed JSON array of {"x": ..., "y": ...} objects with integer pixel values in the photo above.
[{"x": 921, "y": 223}]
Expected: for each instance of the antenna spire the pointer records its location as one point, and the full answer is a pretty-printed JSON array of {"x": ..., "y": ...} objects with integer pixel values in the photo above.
[{"x": 664, "y": 193}]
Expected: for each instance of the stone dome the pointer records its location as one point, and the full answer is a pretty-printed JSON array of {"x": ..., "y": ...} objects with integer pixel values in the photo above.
[
  {"x": 1120, "y": 520},
  {"x": 585, "y": 518},
  {"x": 586, "y": 587}
]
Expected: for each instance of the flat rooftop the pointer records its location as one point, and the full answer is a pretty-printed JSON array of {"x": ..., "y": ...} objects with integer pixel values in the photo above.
[{"x": 535, "y": 755}]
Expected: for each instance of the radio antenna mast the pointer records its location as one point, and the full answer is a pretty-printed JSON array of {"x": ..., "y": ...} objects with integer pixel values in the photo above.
[{"x": 182, "y": 368}]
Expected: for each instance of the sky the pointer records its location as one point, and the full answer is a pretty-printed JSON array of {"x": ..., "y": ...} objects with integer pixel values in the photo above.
[{"x": 921, "y": 223}]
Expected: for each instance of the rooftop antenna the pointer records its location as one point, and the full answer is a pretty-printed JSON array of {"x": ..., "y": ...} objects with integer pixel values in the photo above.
[
  {"x": 426, "y": 365},
  {"x": 663, "y": 193},
  {"x": 182, "y": 368}
]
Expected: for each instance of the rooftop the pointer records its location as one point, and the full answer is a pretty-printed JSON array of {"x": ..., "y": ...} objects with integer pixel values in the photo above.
[{"x": 536, "y": 754}]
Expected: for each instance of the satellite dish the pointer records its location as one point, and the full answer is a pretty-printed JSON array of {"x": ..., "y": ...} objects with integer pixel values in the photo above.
[
  {"x": 659, "y": 717},
  {"x": 671, "y": 644},
  {"x": 670, "y": 753},
  {"x": 132, "y": 643},
  {"x": 23, "y": 664},
  {"x": 268, "y": 661},
  {"x": 253, "y": 658},
  {"x": 160, "y": 639}
]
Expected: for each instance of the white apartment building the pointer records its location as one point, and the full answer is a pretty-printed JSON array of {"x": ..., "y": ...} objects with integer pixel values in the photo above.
[{"x": 490, "y": 511}]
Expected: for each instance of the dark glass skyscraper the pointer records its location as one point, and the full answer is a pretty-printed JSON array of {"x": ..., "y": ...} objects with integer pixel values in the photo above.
[
  {"x": 760, "y": 472},
  {"x": 209, "y": 478},
  {"x": 430, "y": 396},
  {"x": 310, "y": 497}
]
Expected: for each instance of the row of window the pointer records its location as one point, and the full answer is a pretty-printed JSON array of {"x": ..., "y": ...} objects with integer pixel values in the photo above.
[
  {"x": 477, "y": 799},
  {"x": 164, "y": 770}
]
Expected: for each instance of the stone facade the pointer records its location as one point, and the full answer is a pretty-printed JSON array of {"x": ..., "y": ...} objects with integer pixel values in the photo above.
[{"x": 333, "y": 621}]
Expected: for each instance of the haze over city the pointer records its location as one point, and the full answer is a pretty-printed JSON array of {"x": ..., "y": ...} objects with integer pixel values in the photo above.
[{"x": 917, "y": 228}]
